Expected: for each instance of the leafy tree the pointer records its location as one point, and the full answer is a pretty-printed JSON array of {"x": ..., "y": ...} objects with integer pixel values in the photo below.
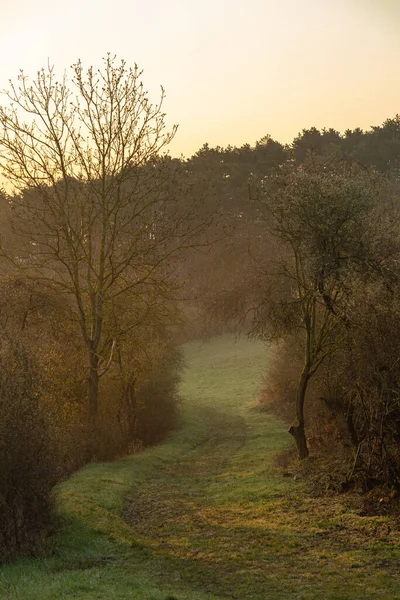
[
  {"x": 320, "y": 220},
  {"x": 309, "y": 141}
]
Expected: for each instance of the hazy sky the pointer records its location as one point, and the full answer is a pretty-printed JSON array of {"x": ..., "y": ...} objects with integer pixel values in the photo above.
[{"x": 233, "y": 70}]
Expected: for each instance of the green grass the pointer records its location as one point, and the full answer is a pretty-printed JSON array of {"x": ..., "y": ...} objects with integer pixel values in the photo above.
[{"x": 208, "y": 515}]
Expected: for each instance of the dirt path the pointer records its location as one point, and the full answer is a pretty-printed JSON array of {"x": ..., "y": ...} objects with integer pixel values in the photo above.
[{"x": 179, "y": 516}]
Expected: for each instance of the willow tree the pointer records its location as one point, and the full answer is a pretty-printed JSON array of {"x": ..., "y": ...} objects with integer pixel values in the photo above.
[{"x": 91, "y": 214}]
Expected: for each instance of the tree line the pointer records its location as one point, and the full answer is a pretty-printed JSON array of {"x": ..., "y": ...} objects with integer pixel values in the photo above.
[{"x": 314, "y": 267}]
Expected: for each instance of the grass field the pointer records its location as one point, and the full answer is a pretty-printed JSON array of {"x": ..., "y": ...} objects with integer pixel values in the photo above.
[{"x": 208, "y": 515}]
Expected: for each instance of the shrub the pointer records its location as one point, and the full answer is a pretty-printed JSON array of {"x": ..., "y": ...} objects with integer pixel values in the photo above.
[
  {"x": 156, "y": 396},
  {"x": 27, "y": 468}
]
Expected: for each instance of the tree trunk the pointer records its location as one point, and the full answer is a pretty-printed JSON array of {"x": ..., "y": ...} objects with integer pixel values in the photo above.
[
  {"x": 93, "y": 384},
  {"x": 297, "y": 430},
  {"x": 350, "y": 425}
]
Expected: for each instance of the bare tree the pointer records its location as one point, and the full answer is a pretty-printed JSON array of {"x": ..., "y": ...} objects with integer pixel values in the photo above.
[{"x": 93, "y": 212}]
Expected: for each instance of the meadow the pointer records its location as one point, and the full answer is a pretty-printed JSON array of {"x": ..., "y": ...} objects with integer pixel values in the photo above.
[{"x": 209, "y": 514}]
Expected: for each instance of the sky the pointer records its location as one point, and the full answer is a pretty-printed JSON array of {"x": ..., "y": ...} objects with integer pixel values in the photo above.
[{"x": 233, "y": 70}]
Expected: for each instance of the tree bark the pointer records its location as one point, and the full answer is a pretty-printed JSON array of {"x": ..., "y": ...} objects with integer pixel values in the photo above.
[
  {"x": 297, "y": 430},
  {"x": 93, "y": 384},
  {"x": 350, "y": 425}
]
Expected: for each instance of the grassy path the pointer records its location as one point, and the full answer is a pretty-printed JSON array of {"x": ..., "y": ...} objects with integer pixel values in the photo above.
[{"x": 207, "y": 515}]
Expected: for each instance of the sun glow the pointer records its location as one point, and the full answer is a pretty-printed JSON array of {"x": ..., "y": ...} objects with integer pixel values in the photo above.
[{"x": 232, "y": 71}]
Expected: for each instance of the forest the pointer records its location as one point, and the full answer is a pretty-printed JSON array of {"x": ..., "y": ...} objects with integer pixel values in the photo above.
[{"x": 114, "y": 255}]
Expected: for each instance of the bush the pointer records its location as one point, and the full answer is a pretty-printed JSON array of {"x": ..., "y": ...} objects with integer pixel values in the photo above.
[
  {"x": 353, "y": 401},
  {"x": 46, "y": 431},
  {"x": 156, "y": 396},
  {"x": 139, "y": 398},
  {"x": 27, "y": 468}
]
